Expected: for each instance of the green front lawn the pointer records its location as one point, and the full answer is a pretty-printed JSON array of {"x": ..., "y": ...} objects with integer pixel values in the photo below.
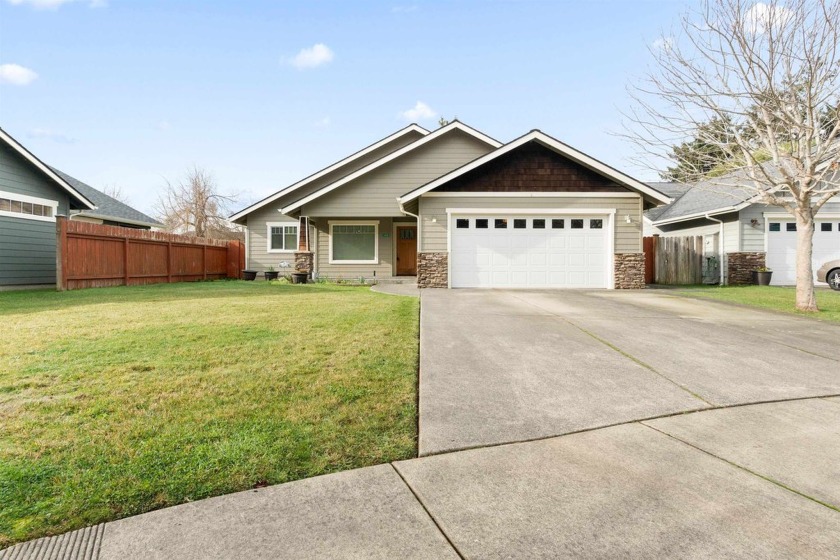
[
  {"x": 118, "y": 401},
  {"x": 771, "y": 297}
]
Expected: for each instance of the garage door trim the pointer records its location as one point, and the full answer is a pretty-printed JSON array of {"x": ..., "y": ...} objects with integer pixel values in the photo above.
[{"x": 607, "y": 213}]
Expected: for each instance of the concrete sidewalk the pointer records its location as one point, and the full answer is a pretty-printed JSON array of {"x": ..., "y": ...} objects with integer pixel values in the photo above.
[{"x": 751, "y": 481}]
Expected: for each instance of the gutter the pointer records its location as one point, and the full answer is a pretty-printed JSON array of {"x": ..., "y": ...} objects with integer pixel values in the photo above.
[{"x": 720, "y": 243}]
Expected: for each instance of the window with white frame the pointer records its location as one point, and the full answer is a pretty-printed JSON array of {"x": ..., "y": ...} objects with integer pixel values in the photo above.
[
  {"x": 354, "y": 242},
  {"x": 27, "y": 207},
  {"x": 282, "y": 238}
]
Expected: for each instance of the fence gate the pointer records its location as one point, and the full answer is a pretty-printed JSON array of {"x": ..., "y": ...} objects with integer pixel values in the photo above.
[{"x": 674, "y": 260}]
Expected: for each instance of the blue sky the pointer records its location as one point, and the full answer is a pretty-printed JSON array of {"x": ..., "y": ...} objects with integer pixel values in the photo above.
[{"x": 134, "y": 92}]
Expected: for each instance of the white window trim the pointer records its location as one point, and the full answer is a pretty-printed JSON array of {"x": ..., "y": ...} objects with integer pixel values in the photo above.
[
  {"x": 374, "y": 223},
  {"x": 32, "y": 200},
  {"x": 270, "y": 225}
]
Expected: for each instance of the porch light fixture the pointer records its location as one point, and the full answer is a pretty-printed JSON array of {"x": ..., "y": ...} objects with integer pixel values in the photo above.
[{"x": 628, "y": 219}]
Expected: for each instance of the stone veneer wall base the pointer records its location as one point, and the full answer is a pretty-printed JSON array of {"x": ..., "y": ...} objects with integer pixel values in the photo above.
[
  {"x": 629, "y": 271},
  {"x": 304, "y": 261},
  {"x": 433, "y": 270},
  {"x": 740, "y": 266}
]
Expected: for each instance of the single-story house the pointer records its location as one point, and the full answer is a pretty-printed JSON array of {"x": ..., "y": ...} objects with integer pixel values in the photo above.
[
  {"x": 456, "y": 208},
  {"x": 740, "y": 234},
  {"x": 32, "y": 194}
]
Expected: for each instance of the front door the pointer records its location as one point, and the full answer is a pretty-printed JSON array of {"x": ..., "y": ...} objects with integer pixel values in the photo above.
[{"x": 406, "y": 250}]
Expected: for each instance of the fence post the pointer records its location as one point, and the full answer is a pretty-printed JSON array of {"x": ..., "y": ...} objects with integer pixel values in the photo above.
[
  {"x": 204, "y": 261},
  {"x": 169, "y": 262},
  {"x": 60, "y": 252}
]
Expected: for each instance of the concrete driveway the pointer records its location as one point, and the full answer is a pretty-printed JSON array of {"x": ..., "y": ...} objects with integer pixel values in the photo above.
[{"x": 507, "y": 366}]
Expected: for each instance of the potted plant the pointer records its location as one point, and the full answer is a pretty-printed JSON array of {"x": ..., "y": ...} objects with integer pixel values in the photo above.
[
  {"x": 271, "y": 274},
  {"x": 299, "y": 277},
  {"x": 762, "y": 276},
  {"x": 249, "y": 274}
]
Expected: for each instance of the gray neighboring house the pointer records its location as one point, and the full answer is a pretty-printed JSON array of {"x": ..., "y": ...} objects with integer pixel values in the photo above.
[
  {"x": 456, "y": 208},
  {"x": 32, "y": 194},
  {"x": 740, "y": 234}
]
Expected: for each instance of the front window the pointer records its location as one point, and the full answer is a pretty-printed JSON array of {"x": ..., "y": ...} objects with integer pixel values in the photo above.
[
  {"x": 282, "y": 238},
  {"x": 354, "y": 243}
]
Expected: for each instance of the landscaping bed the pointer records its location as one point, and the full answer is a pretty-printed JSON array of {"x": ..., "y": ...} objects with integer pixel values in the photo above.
[{"x": 118, "y": 401}]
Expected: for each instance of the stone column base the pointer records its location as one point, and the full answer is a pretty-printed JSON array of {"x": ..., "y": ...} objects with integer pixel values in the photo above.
[
  {"x": 433, "y": 270},
  {"x": 739, "y": 267},
  {"x": 629, "y": 271},
  {"x": 304, "y": 261}
]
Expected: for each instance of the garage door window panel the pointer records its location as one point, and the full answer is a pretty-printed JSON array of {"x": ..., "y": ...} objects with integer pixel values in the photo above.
[{"x": 354, "y": 243}]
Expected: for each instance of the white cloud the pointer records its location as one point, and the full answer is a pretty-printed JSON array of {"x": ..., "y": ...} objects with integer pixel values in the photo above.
[
  {"x": 16, "y": 75},
  {"x": 315, "y": 55},
  {"x": 663, "y": 43},
  {"x": 53, "y": 135},
  {"x": 761, "y": 17},
  {"x": 324, "y": 122},
  {"x": 420, "y": 112},
  {"x": 55, "y": 4}
]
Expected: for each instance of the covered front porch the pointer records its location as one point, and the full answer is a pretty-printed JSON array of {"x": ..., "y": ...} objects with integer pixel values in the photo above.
[{"x": 366, "y": 249}]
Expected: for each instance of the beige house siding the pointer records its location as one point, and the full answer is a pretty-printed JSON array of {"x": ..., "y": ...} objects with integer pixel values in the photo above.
[
  {"x": 384, "y": 268},
  {"x": 628, "y": 237},
  {"x": 375, "y": 194},
  {"x": 257, "y": 239}
]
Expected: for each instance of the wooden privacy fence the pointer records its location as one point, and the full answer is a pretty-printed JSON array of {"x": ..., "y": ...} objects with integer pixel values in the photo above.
[
  {"x": 674, "y": 260},
  {"x": 96, "y": 256}
]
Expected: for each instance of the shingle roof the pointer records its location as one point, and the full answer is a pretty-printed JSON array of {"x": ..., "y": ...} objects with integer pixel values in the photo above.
[
  {"x": 107, "y": 207},
  {"x": 699, "y": 198}
]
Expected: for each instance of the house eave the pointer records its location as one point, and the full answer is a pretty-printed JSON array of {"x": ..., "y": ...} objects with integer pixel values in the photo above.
[
  {"x": 553, "y": 144},
  {"x": 45, "y": 169},
  {"x": 330, "y": 168},
  {"x": 454, "y": 125}
]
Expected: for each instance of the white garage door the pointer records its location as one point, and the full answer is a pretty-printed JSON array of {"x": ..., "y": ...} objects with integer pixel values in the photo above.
[
  {"x": 781, "y": 247},
  {"x": 529, "y": 251}
]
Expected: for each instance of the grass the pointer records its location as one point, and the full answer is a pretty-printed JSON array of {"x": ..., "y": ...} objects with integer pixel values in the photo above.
[
  {"x": 118, "y": 401},
  {"x": 772, "y": 297}
]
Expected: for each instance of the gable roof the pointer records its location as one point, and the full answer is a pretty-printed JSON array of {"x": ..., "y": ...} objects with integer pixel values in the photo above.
[
  {"x": 552, "y": 144},
  {"x": 452, "y": 126},
  {"x": 107, "y": 207},
  {"x": 329, "y": 169},
  {"x": 46, "y": 170}
]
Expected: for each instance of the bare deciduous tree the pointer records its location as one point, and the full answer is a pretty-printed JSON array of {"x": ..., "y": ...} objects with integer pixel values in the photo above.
[
  {"x": 769, "y": 70},
  {"x": 195, "y": 206}
]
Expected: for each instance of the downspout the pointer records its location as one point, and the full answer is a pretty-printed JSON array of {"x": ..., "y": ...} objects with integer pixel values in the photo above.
[
  {"x": 720, "y": 245},
  {"x": 419, "y": 225}
]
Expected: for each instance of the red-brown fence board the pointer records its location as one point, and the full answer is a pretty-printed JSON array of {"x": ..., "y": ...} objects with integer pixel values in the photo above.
[
  {"x": 650, "y": 259},
  {"x": 93, "y": 255}
]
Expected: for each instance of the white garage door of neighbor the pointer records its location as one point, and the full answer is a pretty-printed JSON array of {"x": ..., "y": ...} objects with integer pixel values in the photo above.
[
  {"x": 493, "y": 251},
  {"x": 781, "y": 247}
]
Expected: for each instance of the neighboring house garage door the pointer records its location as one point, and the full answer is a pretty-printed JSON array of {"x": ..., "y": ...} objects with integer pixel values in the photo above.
[
  {"x": 531, "y": 251},
  {"x": 781, "y": 247}
]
